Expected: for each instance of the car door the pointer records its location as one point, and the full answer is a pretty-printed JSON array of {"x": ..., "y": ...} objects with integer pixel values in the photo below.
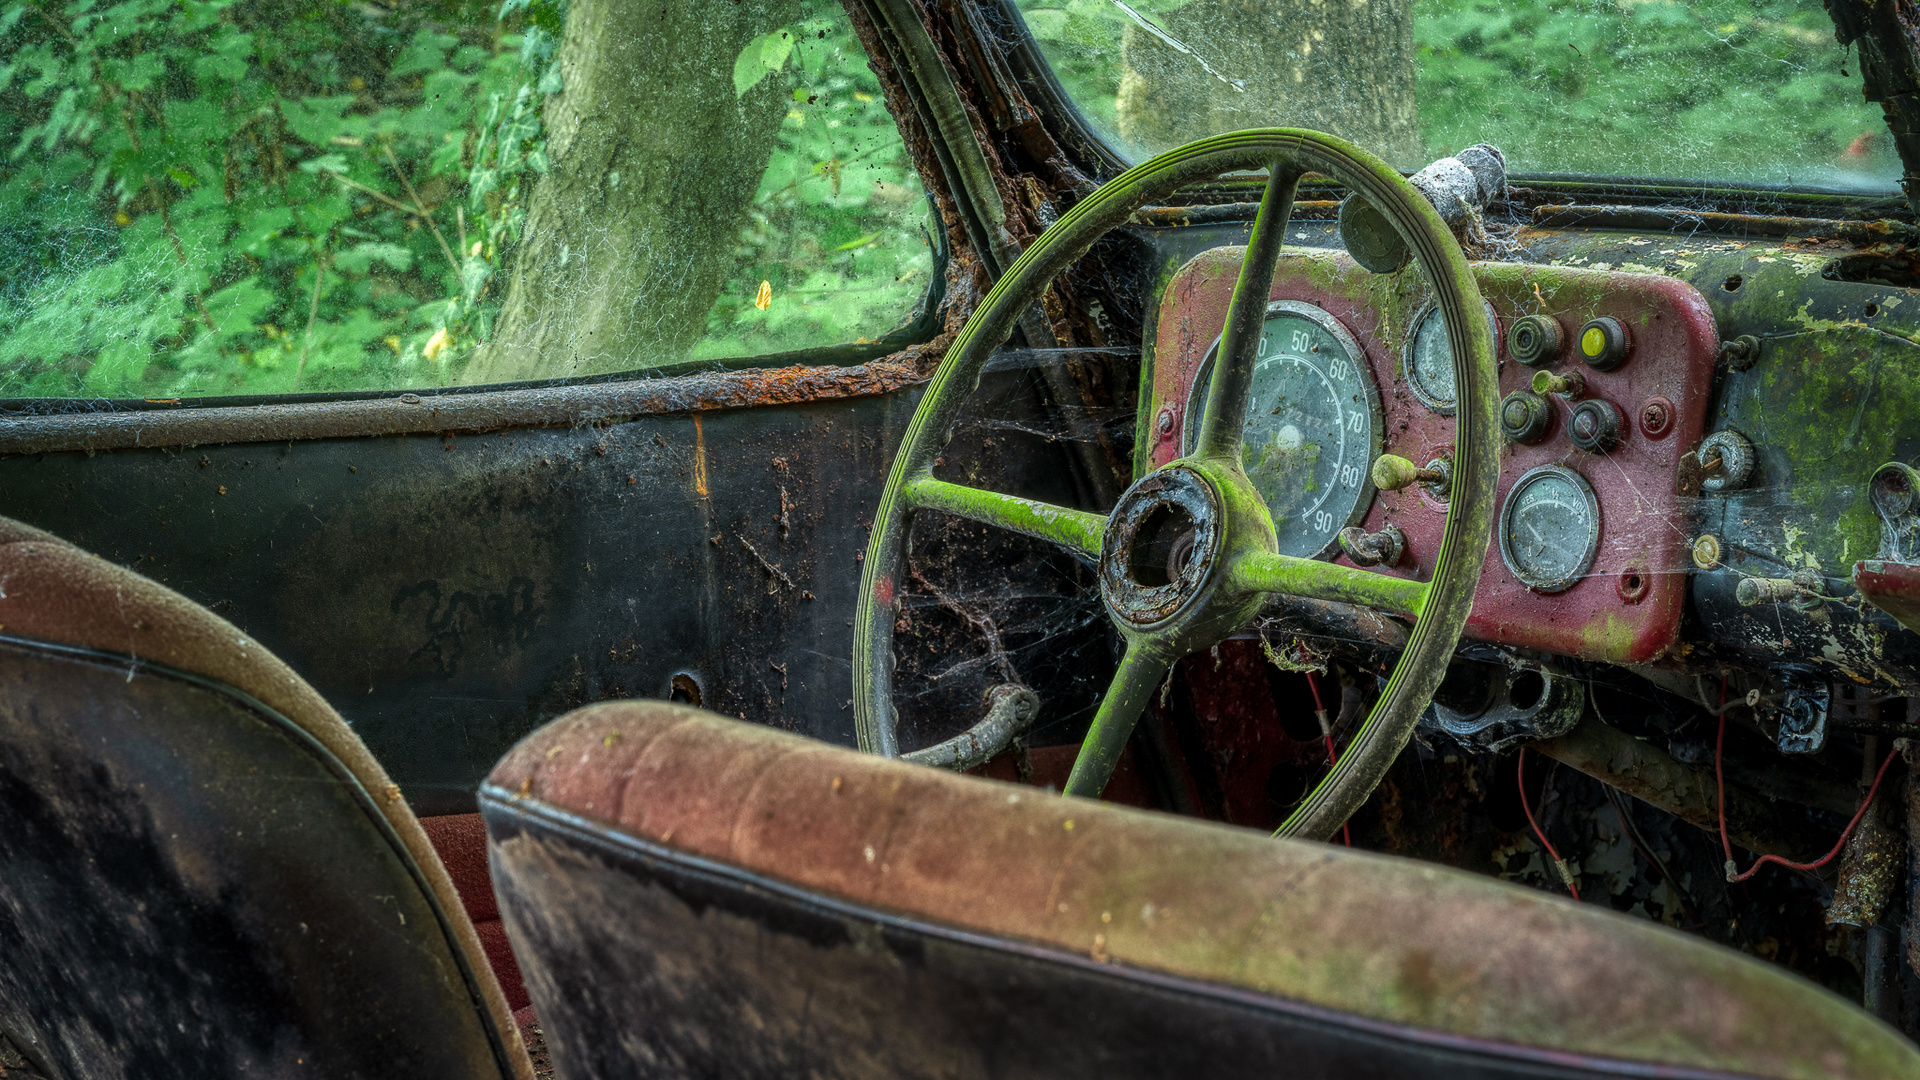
[{"x": 477, "y": 376}]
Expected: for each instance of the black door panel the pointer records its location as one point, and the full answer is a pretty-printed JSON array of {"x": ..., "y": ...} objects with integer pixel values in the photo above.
[{"x": 450, "y": 594}]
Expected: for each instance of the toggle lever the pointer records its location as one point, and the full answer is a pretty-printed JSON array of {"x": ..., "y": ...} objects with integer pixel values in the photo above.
[
  {"x": 1392, "y": 472},
  {"x": 1569, "y": 386}
]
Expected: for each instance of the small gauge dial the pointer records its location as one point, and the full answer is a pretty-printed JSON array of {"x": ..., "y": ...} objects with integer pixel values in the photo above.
[
  {"x": 1312, "y": 427},
  {"x": 1429, "y": 359},
  {"x": 1550, "y": 528}
]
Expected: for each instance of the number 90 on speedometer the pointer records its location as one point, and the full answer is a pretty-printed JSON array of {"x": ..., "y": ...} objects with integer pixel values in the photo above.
[{"x": 1312, "y": 428}]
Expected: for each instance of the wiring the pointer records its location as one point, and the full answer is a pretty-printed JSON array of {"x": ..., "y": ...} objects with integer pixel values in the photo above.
[
  {"x": 1734, "y": 876},
  {"x": 1326, "y": 732},
  {"x": 1520, "y": 778},
  {"x": 1639, "y": 843}
]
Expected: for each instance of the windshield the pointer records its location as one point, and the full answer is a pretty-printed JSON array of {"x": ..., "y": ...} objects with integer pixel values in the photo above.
[{"x": 1729, "y": 90}]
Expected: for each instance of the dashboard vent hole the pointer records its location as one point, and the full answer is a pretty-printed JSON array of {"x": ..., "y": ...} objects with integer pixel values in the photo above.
[{"x": 1526, "y": 690}]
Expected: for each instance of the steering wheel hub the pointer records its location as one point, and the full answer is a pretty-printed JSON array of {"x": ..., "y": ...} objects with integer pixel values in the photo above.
[{"x": 1161, "y": 548}]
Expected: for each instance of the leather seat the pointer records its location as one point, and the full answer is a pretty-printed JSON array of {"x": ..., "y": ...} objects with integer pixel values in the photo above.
[
  {"x": 691, "y": 896},
  {"x": 203, "y": 873}
]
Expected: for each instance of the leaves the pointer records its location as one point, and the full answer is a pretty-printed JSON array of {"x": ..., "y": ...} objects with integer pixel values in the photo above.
[{"x": 762, "y": 56}]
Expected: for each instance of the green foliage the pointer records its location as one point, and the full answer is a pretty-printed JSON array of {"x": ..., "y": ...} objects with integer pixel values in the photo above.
[
  {"x": 836, "y": 226},
  {"x": 210, "y": 197},
  {"x": 1738, "y": 89},
  {"x": 225, "y": 197},
  {"x": 1754, "y": 90}
]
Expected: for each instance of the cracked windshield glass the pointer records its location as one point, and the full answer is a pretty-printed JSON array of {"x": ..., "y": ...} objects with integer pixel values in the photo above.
[
  {"x": 1732, "y": 90},
  {"x": 241, "y": 197}
]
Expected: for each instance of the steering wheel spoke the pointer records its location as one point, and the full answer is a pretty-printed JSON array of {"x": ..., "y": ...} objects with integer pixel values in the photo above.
[
  {"x": 1075, "y": 530},
  {"x": 1246, "y": 317},
  {"x": 1316, "y": 580},
  {"x": 1141, "y": 670}
]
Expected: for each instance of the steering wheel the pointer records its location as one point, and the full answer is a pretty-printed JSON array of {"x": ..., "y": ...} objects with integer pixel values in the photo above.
[{"x": 1188, "y": 554}]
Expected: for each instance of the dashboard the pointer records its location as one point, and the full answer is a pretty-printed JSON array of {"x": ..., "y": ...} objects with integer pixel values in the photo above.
[{"x": 1606, "y": 378}]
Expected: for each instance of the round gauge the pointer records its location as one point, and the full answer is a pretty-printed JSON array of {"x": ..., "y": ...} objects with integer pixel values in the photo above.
[
  {"x": 1312, "y": 428},
  {"x": 1429, "y": 359},
  {"x": 1550, "y": 528}
]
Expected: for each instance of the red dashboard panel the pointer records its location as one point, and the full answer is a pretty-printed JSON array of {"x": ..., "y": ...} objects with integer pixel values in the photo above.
[{"x": 1627, "y": 607}]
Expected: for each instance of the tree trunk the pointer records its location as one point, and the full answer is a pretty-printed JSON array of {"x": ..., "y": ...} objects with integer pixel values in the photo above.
[
  {"x": 655, "y": 160},
  {"x": 1339, "y": 66}
]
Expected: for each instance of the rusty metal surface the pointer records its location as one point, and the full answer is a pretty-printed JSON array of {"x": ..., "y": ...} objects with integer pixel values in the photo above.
[
  {"x": 1872, "y": 864},
  {"x": 1688, "y": 792},
  {"x": 413, "y": 414},
  {"x": 1720, "y": 224}
]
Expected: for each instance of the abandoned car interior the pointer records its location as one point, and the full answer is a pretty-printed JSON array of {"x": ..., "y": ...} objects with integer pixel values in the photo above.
[{"x": 959, "y": 538}]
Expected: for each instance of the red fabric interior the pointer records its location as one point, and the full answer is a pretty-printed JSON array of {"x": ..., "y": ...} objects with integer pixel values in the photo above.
[{"x": 461, "y": 841}]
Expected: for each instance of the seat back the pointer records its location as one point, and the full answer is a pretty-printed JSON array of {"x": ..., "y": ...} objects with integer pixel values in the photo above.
[
  {"x": 691, "y": 896},
  {"x": 202, "y": 872}
]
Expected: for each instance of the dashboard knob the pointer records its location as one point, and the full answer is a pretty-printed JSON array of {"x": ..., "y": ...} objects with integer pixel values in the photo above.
[
  {"x": 1595, "y": 425},
  {"x": 1383, "y": 548},
  {"x": 1534, "y": 340},
  {"x": 1392, "y": 472},
  {"x": 1603, "y": 343},
  {"x": 1525, "y": 417},
  {"x": 1569, "y": 386},
  {"x": 1726, "y": 461}
]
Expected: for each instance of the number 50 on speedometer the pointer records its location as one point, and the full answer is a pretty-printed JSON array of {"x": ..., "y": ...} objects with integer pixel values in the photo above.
[{"x": 1312, "y": 428}]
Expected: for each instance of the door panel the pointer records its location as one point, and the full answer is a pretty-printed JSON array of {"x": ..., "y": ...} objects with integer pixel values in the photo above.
[{"x": 450, "y": 593}]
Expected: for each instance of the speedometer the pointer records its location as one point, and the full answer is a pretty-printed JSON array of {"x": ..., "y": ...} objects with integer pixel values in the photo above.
[{"x": 1312, "y": 428}]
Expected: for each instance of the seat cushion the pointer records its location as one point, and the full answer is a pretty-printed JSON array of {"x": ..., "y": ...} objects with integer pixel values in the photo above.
[
  {"x": 690, "y": 892},
  {"x": 187, "y": 825}
]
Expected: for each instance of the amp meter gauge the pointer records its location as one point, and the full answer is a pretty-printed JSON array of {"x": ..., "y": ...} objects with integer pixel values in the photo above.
[
  {"x": 1312, "y": 428},
  {"x": 1550, "y": 528},
  {"x": 1429, "y": 358}
]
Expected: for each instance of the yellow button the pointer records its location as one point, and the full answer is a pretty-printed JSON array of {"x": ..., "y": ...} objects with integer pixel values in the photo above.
[{"x": 1593, "y": 342}]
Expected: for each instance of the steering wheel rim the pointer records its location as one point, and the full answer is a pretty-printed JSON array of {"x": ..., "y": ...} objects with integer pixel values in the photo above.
[{"x": 1221, "y": 587}]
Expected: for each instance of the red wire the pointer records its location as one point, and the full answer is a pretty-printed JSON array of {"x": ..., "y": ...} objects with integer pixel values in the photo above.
[
  {"x": 1313, "y": 684},
  {"x": 1720, "y": 787},
  {"x": 1520, "y": 776}
]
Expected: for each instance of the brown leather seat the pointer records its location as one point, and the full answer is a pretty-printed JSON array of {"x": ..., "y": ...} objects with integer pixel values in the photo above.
[
  {"x": 694, "y": 896},
  {"x": 202, "y": 871}
]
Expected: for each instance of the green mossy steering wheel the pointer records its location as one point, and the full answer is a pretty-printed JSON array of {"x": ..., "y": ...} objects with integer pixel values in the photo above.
[{"x": 1165, "y": 611}]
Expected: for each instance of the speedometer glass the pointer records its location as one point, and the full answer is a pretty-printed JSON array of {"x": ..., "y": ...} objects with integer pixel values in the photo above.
[
  {"x": 1430, "y": 359},
  {"x": 1550, "y": 528},
  {"x": 1312, "y": 427}
]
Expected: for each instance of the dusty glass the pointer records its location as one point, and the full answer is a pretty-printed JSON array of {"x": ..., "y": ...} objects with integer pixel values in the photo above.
[
  {"x": 1738, "y": 90},
  {"x": 213, "y": 197}
]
